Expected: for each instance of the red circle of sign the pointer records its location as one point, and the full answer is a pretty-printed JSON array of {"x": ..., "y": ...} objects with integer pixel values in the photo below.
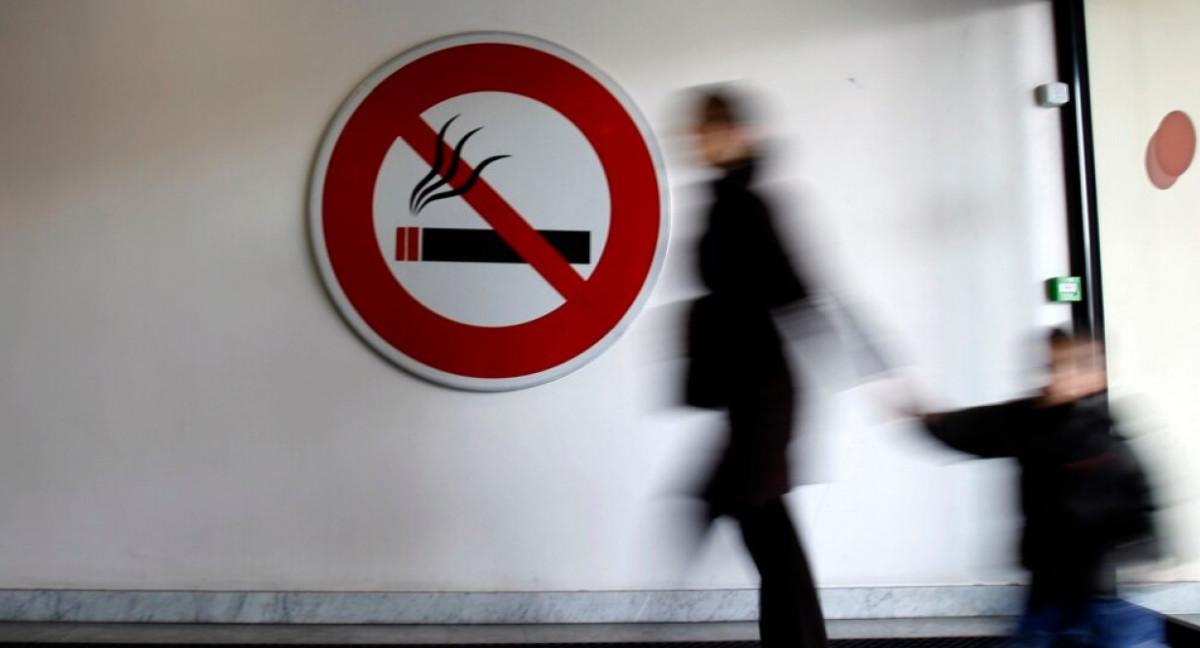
[{"x": 478, "y": 351}]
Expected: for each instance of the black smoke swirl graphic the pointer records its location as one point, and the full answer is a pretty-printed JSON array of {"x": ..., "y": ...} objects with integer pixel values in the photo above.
[{"x": 442, "y": 174}]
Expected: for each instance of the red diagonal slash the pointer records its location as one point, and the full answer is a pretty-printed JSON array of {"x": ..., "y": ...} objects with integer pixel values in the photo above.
[{"x": 515, "y": 230}]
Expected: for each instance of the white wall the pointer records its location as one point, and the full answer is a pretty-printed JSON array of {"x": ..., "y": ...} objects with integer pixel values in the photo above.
[
  {"x": 1144, "y": 58},
  {"x": 181, "y": 406}
]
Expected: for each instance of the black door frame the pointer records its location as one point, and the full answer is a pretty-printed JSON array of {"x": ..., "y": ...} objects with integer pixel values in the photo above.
[{"x": 1083, "y": 225}]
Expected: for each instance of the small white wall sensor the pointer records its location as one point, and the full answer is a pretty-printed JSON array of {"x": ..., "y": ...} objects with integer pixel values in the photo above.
[{"x": 1053, "y": 95}]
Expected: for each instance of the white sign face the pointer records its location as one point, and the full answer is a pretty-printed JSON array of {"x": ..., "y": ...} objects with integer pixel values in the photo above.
[
  {"x": 554, "y": 181},
  {"x": 489, "y": 211}
]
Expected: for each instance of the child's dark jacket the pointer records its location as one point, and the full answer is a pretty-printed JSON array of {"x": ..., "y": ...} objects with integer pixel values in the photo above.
[{"x": 1083, "y": 492}]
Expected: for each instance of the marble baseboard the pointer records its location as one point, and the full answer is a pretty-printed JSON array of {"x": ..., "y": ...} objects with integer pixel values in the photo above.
[
  {"x": 474, "y": 635},
  {"x": 1168, "y": 598},
  {"x": 453, "y": 608}
]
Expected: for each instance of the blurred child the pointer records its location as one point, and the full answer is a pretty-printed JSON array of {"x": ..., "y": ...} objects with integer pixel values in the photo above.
[{"x": 1083, "y": 495}]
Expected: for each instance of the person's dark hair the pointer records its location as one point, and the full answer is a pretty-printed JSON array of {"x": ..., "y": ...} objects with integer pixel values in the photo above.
[
  {"x": 723, "y": 106},
  {"x": 1058, "y": 335}
]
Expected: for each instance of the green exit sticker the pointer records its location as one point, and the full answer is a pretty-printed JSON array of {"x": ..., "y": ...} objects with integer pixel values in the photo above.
[{"x": 1064, "y": 289}]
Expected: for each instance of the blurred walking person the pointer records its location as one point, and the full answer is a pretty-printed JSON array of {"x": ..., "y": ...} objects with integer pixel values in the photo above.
[
  {"x": 1084, "y": 495},
  {"x": 737, "y": 363}
]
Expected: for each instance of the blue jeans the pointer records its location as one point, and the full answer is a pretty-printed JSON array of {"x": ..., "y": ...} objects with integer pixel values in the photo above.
[{"x": 1102, "y": 623}]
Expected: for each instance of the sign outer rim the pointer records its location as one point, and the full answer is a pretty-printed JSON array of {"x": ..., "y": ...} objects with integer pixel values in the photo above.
[{"x": 364, "y": 331}]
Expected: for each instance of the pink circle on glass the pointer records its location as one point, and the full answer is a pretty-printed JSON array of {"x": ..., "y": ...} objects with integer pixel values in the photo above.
[
  {"x": 1175, "y": 142},
  {"x": 1159, "y": 178}
]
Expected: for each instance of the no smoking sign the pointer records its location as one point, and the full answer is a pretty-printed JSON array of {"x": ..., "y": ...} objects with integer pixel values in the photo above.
[{"x": 489, "y": 211}]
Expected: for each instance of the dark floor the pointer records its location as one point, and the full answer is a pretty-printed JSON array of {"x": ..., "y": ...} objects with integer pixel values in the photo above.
[{"x": 934, "y": 642}]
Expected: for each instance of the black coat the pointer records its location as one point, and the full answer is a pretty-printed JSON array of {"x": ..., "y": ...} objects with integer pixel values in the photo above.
[
  {"x": 1083, "y": 492},
  {"x": 736, "y": 357},
  {"x": 732, "y": 339}
]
